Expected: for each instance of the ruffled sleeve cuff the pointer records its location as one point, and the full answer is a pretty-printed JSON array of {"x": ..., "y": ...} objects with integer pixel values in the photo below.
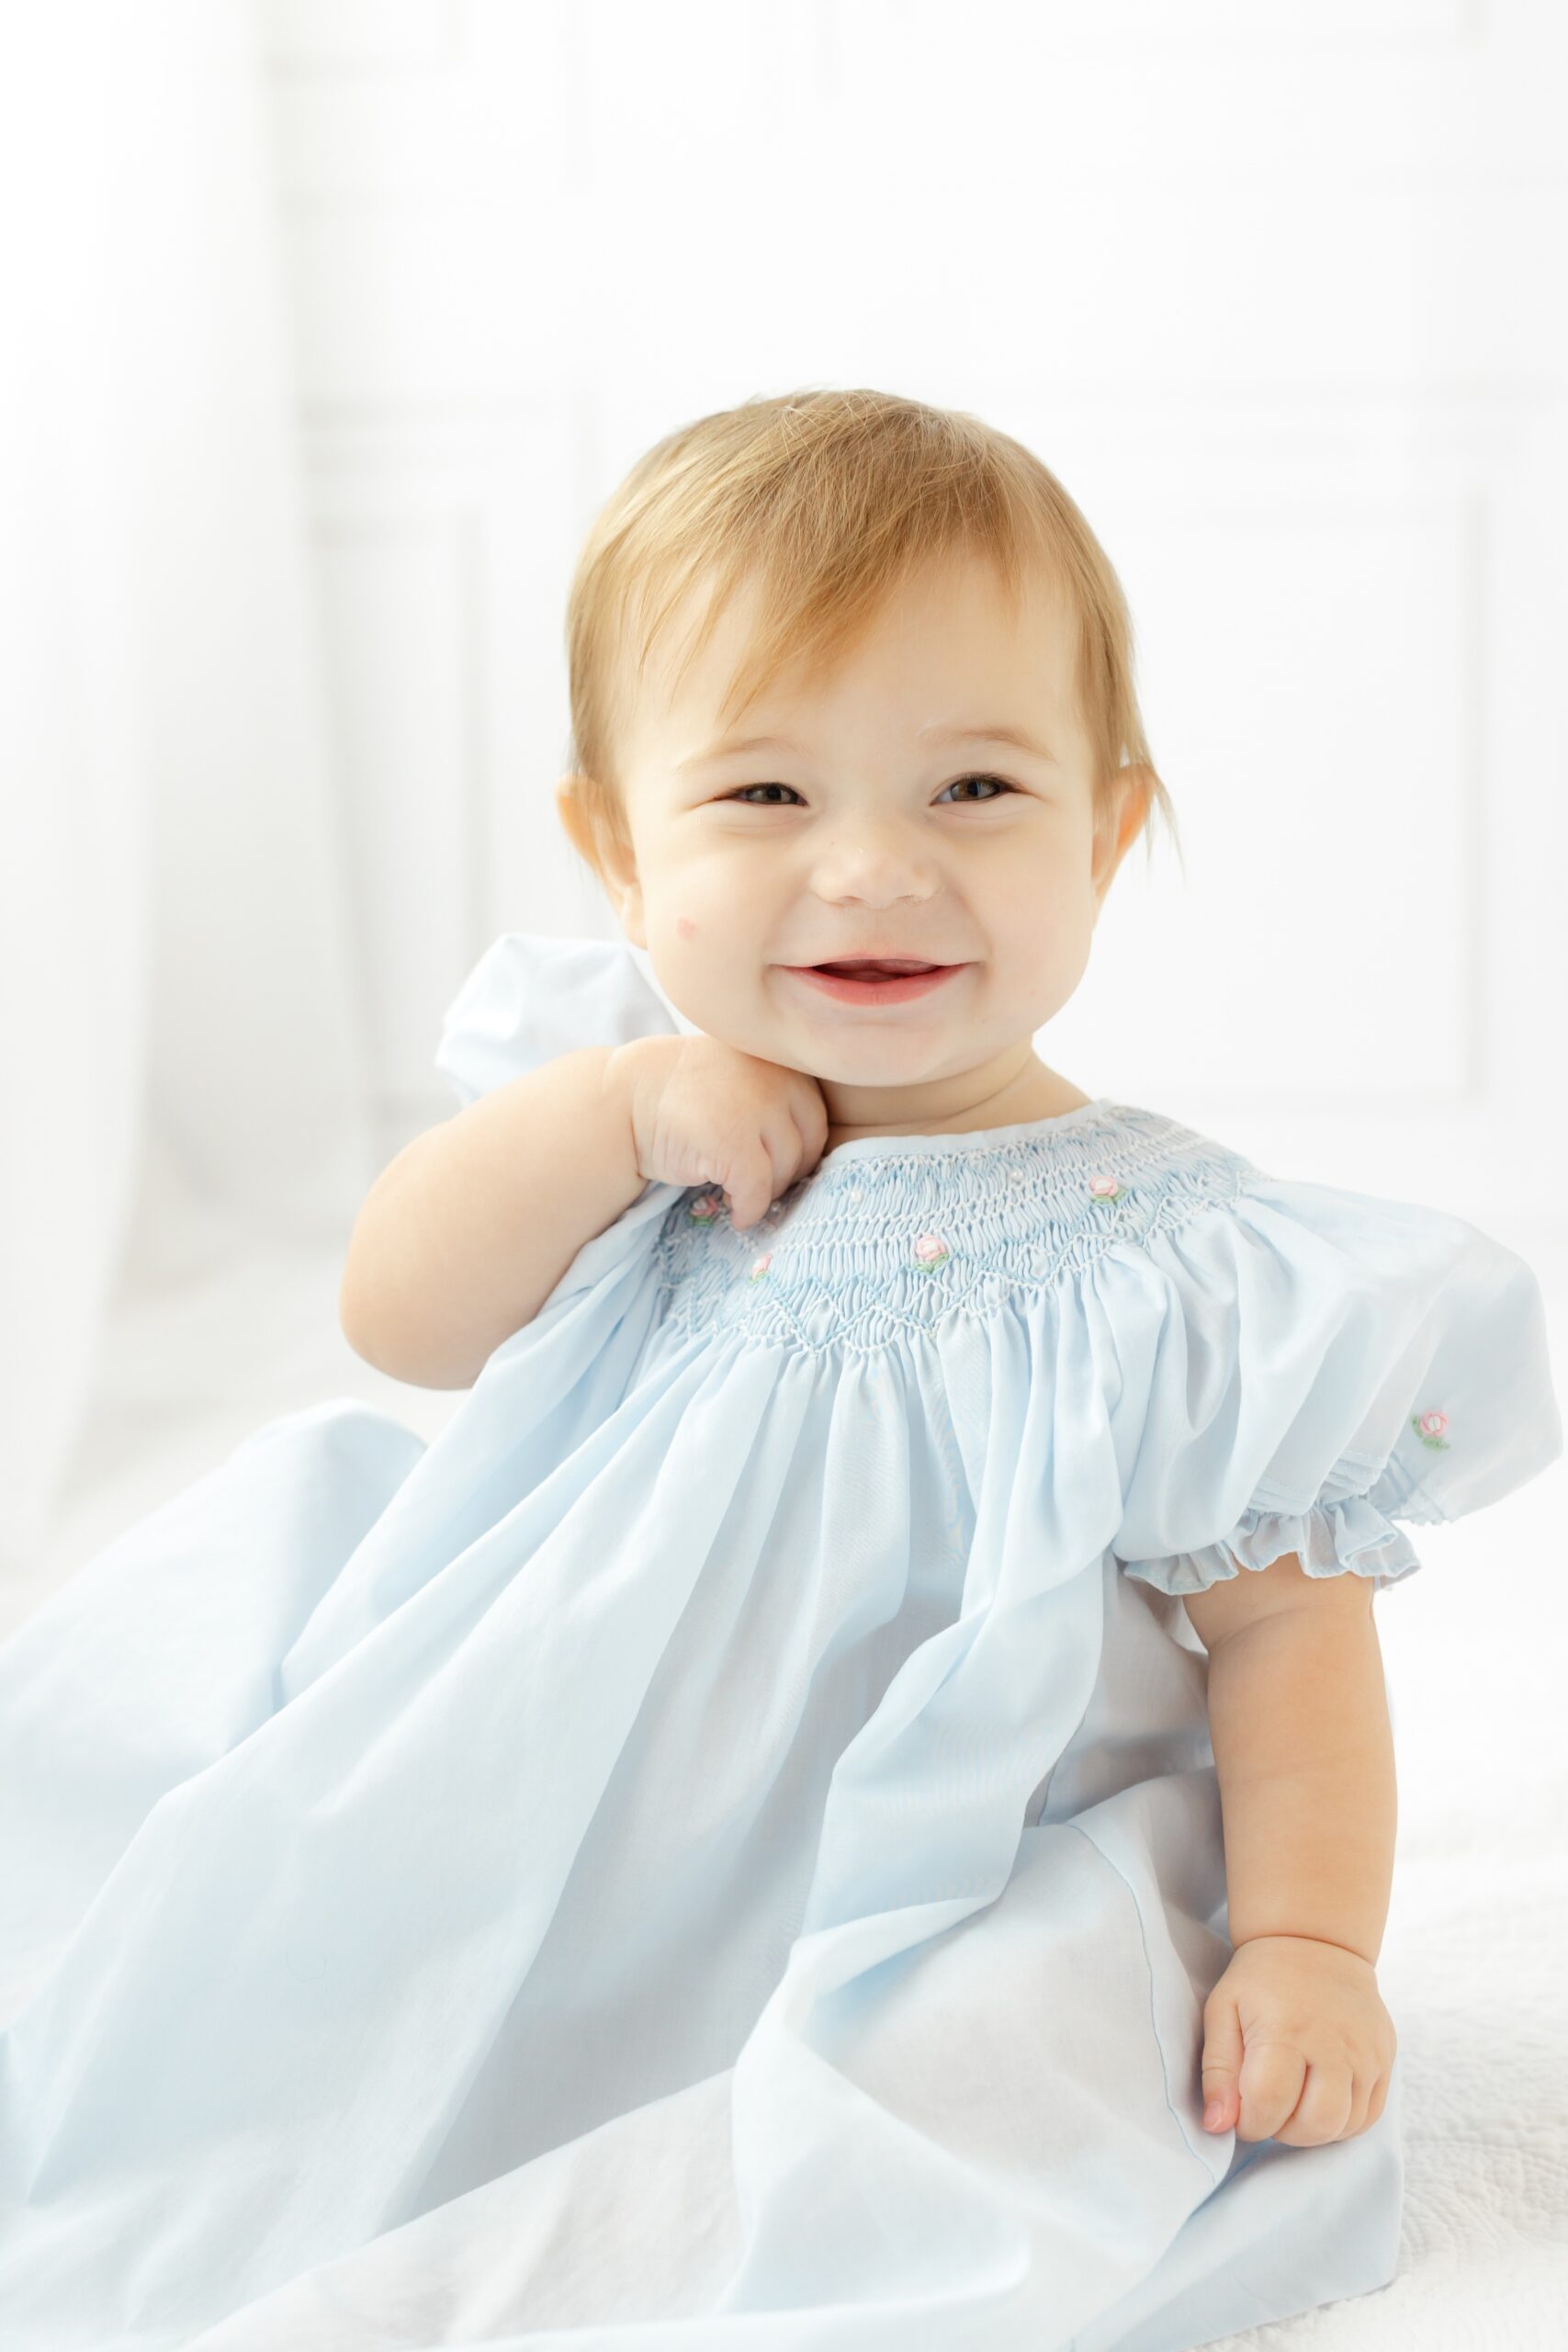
[{"x": 1329, "y": 1539}]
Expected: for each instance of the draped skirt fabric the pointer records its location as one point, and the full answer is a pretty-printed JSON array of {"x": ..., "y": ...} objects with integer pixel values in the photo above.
[{"x": 711, "y": 1851}]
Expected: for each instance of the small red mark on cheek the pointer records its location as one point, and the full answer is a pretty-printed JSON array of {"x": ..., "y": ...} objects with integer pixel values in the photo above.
[{"x": 685, "y": 927}]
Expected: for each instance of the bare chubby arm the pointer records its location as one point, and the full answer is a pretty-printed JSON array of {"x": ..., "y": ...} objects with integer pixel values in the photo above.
[
  {"x": 465, "y": 1234},
  {"x": 1303, "y": 1752},
  {"x": 463, "y": 1237}
]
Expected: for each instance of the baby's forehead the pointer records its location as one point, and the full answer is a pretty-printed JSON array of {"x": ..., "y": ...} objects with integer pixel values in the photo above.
[{"x": 711, "y": 668}]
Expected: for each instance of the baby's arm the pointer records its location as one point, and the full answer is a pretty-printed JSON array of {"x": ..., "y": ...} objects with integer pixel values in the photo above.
[
  {"x": 465, "y": 1234},
  {"x": 463, "y": 1237},
  {"x": 1297, "y": 2043},
  {"x": 1303, "y": 1751}
]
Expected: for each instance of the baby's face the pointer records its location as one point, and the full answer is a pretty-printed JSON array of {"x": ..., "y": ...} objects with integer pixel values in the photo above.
[{"x": 881, "y": 813}]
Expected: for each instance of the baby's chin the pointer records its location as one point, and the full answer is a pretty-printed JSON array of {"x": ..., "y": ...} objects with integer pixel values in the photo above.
[
  {"x": 894, "y": 1045},
  {"x": 870, "y": 1070}
]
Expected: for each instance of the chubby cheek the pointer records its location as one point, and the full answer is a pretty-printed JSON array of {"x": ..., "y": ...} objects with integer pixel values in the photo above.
[
  {"x": 714, "y": 978},
  {"x": 1043, "y": 955}
]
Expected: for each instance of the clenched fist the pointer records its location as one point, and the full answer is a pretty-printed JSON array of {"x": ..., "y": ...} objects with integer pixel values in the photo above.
[
  {"x": 1297, "y": 2044},
  {"x": 703, "y": 1112}
]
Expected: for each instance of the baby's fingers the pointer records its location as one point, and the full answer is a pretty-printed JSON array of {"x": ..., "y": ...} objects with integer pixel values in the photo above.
[
  {"x": 1222, "y": 2063},
  {"x": 750, "y": 1179},
  {"x": 762, "y": 1174},
  {"x": 1324, "y": 2108},
  {"x": 1272, "y": 2076}
]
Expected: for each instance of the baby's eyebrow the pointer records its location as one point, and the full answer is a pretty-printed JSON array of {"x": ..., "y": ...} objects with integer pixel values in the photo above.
[
  {"x": 938, "y": 731},
  {"x": 731, "y": 750}
]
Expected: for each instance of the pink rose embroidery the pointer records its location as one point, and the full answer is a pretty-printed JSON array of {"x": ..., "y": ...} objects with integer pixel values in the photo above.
[
  {"x": 1430, "y": 1428},
  {"x": 930, "y": 1249},
  {"x": 706, "y": 1208},
  {"x": 1104, "y": 1188},
  {"x": 759, "y": 1265}
]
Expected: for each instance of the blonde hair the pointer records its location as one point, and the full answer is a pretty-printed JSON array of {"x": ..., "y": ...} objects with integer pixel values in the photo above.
[{"x": 827, "y": 499}]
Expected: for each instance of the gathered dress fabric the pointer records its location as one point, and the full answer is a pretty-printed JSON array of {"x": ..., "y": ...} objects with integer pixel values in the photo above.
[{"x": 721, "y": 1848}]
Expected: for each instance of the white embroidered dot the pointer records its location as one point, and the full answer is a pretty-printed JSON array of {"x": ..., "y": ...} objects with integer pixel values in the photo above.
[{"x": 856, "y": 1193}]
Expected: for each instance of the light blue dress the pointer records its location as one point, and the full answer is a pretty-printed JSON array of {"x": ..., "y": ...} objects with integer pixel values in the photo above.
[{"x": 722, "y": 1848}]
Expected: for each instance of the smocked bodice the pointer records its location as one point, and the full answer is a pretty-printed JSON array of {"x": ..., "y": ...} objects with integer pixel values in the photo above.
[{"x": 888, "y": 1233}]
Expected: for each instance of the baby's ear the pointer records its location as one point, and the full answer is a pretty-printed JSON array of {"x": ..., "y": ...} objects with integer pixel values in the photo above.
[
  {"x": 591, "y": 820},
  {"x": 1120, "y": 815},
  {"x": 572, "y": 807}
]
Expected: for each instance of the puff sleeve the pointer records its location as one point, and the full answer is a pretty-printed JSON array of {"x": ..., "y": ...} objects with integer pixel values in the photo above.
[
  {"x": 1316, "y": 1365},
  {"x": 531, "y": 999}
]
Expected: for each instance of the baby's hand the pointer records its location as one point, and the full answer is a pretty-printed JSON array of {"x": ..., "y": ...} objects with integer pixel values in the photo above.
[
  {"x": 703, "y": 1112},
  {"x": 1297, "y": 2044}
]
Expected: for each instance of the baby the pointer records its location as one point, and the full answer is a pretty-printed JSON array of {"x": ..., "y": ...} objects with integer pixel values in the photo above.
[
  {"x": 866, "y": 859},
  {"x": 846, "y": 1797}
]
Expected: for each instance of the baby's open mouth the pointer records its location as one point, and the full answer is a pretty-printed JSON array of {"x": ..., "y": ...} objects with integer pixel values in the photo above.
[
  {"x": 873, "y": 979},
  {"x": 864, "y": 966}
]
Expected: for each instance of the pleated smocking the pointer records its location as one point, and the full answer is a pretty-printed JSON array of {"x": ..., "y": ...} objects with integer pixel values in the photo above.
[{"x": 882, "y": 1240}]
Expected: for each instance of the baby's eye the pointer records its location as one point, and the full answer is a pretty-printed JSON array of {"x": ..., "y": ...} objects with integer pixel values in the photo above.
[
  {"x": 1000, "y": 782},
  {"x": 740, "y": 794}
]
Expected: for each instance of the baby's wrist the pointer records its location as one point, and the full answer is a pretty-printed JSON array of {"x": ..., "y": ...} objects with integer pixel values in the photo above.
[
  {"x": 626, "y": 1064},
  {"x": 1327, "y": 1943},
  {"x": 633, "y": 1076}
]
